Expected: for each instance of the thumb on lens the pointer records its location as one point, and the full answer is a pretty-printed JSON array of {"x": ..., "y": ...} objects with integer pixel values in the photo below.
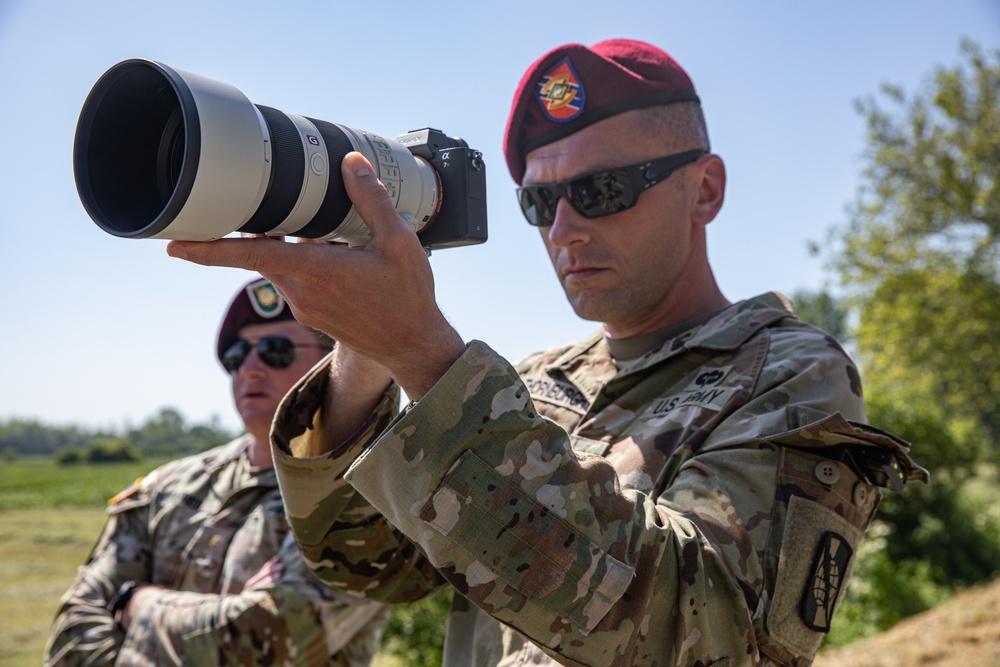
[{"x": 369, "y": 196}]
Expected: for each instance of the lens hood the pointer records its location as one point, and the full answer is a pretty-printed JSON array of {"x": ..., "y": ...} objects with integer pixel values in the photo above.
[{"x": 161, "y": 153}]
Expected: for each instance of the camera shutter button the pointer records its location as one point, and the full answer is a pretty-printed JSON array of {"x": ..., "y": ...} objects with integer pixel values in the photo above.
[{"x": 318, "y": 164}]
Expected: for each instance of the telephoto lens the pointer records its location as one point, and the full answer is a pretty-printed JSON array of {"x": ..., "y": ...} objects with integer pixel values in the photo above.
[{"x": 165, "y": 154}]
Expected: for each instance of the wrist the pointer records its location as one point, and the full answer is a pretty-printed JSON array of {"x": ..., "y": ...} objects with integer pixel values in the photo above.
[
  {"x": 119, "y": 601},
  {"x": 421, "y": 370}
]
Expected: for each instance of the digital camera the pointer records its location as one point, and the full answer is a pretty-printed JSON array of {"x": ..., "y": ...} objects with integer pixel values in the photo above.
[{"x": 165, "y": 154}]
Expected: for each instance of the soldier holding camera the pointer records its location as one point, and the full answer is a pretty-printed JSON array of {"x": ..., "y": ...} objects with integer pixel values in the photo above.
[
  {"x": 685, "y": 487},
  {"x": 196, "y": 564}
]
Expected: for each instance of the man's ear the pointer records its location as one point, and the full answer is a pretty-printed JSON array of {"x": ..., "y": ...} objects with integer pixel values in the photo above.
[{"x": 710, "y": 189}]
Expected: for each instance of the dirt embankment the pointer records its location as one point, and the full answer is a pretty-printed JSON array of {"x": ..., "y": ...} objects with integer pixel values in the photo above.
[{"x": 963, "y": 632}]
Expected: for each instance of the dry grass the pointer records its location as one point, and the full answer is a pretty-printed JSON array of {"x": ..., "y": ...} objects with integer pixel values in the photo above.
[{"x": 963, "y": 632}]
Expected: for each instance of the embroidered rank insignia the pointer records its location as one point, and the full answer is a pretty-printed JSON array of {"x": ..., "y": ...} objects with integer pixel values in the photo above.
[
  {"x": 708, "y": 377},
  {"x": 825, "y": 582},
  {"x": 264, "y": 298},
  {"x": 560, "y": 92}
]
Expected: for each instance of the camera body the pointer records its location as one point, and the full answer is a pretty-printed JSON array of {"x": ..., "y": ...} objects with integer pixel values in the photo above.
[
  {"x": 161, "y": 153},
  {"x": 462, "y": 218}
]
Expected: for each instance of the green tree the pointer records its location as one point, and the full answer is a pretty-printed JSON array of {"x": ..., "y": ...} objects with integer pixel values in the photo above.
[
  {"x": 112, "y": 450},
  {"x": 920, "y": 257},
  {"x": 822, "y": 309},
  {"x": 29, "y": 436},
  {"x": 920, "y": 263},
  {"x": 414, "y": 635},
  {"x": 167, "y": 434}
]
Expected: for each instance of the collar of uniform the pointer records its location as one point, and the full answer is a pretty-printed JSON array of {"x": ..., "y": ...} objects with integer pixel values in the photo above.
[
  {"x": 629, "y": 350},
  {"x": 741, "y": 321},
  {"x": 728, "y": 330},
  {"x": 232, "y": 451},
  {"x": 576, "y": 350}
]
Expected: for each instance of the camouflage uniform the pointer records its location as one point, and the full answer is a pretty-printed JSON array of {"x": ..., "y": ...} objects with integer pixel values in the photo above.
[
  {"x": 698, "y": 506},
  {"x": 202, "y": 526}
]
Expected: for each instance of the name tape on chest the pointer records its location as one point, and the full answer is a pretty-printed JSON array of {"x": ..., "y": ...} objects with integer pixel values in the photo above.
[{"x": 555, "y": 392}]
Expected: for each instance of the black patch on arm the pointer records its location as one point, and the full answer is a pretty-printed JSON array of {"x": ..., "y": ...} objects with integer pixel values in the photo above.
[{"x": 824, "y": 584}]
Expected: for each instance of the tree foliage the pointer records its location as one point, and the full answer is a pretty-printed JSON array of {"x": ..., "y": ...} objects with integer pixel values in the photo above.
[
  {"x": 29, "y": 436},
  {"x": 166, "y": 434},
  {"x": 920, "y": 256},
  {"x": 822, "y": 309},
  {"x": 920, "y": 264},
  {"x": 414, "y": 635}
]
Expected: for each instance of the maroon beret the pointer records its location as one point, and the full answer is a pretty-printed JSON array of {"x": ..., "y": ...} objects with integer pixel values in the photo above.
[
  {"x": 257, "y": 302},
  {"x": 573, "y": 86}
]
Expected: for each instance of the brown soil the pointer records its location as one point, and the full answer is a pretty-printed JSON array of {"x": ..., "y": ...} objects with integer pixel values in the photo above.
[{"x": 963, "y": 632}]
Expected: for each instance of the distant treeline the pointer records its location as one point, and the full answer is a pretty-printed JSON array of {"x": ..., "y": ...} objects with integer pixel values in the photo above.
[{"x": 163, "y": 435}]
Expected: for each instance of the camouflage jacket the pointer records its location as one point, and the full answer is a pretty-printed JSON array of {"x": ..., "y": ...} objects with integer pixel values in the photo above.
[
  {"x": 698, "y": 507},
  {"x": 202, "y": 526}
]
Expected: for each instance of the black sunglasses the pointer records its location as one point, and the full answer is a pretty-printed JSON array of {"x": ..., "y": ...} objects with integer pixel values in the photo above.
[
  {"x": 275, "y": 351},
  {"x": 602, "y": 192}
]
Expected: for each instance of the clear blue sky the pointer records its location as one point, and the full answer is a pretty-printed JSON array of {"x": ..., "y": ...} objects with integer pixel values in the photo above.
[{"x": 102, "y": 332}]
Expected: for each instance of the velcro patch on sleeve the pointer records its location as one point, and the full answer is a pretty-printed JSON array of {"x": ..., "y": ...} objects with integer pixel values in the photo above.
[{"x": 812, "y": 550}]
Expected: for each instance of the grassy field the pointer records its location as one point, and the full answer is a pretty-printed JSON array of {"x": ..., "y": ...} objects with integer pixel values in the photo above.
[
  {"x": 40, "y": 550},
  {"x": 50, "y": 518},
  {"x": 40, "y": 483}
]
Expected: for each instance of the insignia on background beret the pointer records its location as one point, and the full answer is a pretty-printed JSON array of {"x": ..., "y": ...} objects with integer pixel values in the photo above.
[{"x": 257, "y": 302}]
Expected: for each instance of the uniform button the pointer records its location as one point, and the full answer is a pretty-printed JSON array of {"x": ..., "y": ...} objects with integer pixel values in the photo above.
[
  {"x": 861, "y": 493},
  {"x": 827, "y": 472}
]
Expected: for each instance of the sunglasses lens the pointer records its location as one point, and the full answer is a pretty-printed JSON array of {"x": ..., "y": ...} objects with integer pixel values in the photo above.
[
  {"x": 604, "y": 193},
  {"x": 276, "y": 351},
  {"x": 538, "y": 203},
  {"x": 592, "y": 196},
  {"x": 234, "y": 357}
]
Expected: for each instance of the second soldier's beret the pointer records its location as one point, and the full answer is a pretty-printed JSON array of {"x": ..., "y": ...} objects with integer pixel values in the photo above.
[{"x": 257, "y": 302}]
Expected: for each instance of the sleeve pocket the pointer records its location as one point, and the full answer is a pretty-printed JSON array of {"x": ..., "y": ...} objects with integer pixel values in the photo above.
[{"x": 524, "y": 542}]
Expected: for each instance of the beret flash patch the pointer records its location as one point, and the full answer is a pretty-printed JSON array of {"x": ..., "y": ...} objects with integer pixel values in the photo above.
[
  {"x": 560, "y": 92},
  {"x": 264, "y": 298}
]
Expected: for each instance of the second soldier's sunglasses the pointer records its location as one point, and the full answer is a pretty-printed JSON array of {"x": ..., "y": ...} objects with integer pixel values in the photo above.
[
  {"x": 274, "y": 351},
  {"x": 602, "y": 192}
]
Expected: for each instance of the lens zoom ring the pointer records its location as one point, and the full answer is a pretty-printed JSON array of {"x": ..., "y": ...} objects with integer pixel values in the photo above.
[
  {"x": 287, "y": 173},
  {"x": 336, "y": 204}
]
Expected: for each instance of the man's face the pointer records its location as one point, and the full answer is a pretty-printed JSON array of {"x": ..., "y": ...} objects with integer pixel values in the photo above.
[
  {"x": 259, "y": 388},
  {"x": 617, "y": 269}
]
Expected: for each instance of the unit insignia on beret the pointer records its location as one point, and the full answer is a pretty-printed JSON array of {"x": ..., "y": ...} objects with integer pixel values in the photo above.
[
  {"x": 561, "y": 93},
  {"x": 264, "y": 298}
]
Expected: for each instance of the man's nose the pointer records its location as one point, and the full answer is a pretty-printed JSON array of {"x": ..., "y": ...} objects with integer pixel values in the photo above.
[
  {"x": 252, "y": 365},
  {"x": 568, "y": 227}
]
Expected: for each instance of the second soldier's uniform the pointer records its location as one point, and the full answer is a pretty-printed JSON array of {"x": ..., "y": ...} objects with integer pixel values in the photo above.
[
  {"x": 698, "y": 503},
  {"x": 204, "y": 526}
]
